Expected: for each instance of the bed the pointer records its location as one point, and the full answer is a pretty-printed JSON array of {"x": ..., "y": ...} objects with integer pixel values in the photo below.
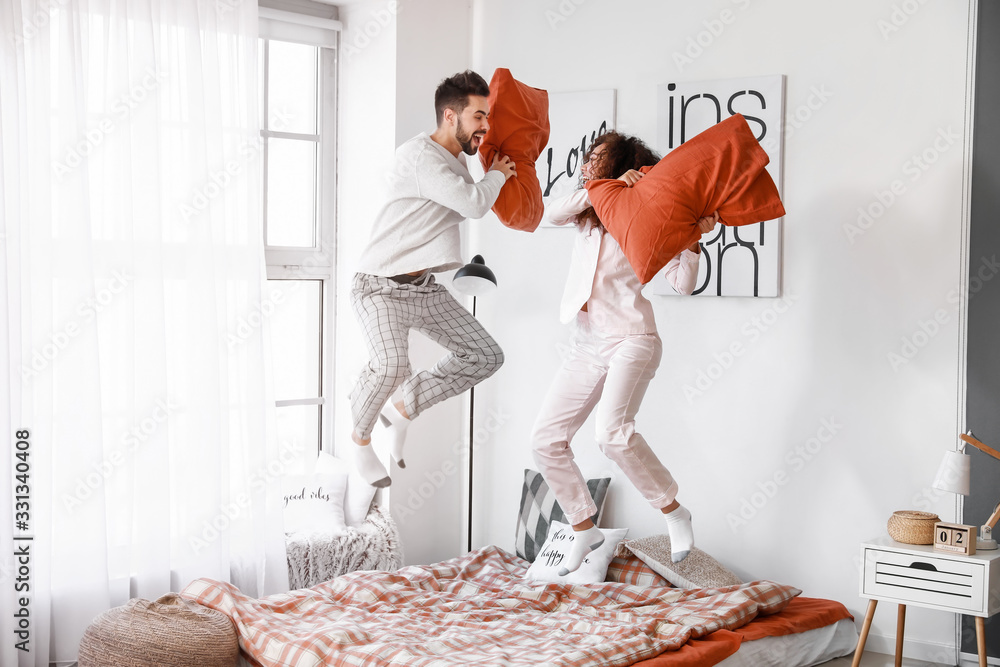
[{"x": 479, "y": 609}]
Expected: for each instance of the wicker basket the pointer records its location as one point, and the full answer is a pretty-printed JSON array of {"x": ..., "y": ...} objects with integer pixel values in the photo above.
[{"x": 912, "y": 527}]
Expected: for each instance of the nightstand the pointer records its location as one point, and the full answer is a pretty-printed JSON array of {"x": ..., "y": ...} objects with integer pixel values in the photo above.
[{"x": 915, "y": 574}]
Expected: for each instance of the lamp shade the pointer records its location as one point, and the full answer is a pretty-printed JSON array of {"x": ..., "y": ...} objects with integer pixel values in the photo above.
[
  {"x": 953, "y": 473},
  {"x": 475, "y": 278}
]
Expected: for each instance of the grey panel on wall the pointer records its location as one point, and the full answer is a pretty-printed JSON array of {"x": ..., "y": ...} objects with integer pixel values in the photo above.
[{"x": 983, "y": 351}]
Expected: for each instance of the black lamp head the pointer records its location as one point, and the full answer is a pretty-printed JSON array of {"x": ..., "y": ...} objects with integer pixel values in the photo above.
[{"x": 475, "y": 278}]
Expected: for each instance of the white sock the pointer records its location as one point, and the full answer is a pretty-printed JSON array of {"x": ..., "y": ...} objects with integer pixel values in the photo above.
[
  {"x": 681, "y": 533},
  {"x": 396, "y": 425},
  {"x": 369, "y": 467},
  {"x": 584, "y": 541}
]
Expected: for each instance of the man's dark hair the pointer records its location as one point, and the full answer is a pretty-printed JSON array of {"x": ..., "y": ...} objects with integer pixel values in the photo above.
[{"x": 453, "y": 93}]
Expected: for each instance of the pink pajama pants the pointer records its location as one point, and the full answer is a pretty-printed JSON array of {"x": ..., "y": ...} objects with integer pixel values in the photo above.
[{"x": 611, "y": 373}]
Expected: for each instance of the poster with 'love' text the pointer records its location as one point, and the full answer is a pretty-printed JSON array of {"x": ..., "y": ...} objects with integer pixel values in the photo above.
[{"x": 575, "y": 120}]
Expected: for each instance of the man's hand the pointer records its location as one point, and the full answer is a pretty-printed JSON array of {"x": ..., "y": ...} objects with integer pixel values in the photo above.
[
  {"x": 631, "y": 177},
  {"x": 504, "y": 165},
  {"x": 705, "y": 225}
]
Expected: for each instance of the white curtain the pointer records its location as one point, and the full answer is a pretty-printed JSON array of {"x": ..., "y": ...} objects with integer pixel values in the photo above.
[{"x": 129, "y": 215}]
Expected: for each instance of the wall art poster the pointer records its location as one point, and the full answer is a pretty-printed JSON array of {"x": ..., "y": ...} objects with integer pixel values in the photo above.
[
  {"x": 575, "y": 120},
  {"x": 736, "y": 261}
]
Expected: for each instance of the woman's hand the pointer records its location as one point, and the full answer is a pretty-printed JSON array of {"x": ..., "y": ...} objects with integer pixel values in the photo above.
[
  {"x": 631, "y": 177},
  {"x": 705, "y": 225}
]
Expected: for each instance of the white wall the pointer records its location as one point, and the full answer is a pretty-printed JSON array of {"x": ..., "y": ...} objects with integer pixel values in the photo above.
[
  {"x": 819, "y": 357},
  {"x": 367, "y": 110},
  {"x": 428, "y": 497},
  {"x": 849, "y": 304},
  {"x": 395, "y": 54}
]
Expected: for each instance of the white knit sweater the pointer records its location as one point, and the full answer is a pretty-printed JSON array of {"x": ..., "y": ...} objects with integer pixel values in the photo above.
[{"x": 430, "y": 192}]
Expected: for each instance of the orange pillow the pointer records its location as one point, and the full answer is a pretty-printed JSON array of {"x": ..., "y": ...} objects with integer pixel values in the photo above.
[
  {"x": 720, "y": 169},
  {"x": 519, "y": 129}
]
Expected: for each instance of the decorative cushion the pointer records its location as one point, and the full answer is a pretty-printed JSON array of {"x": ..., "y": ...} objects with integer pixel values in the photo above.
[
  {"x": 697, "y": 570},
  {"x": 539, "y": 508},
  {"x": 519, "y": 129},
  {"x": 629, "y": 569},
  {"x": 721, "y": 169},
  {"x": 374, "y": 545},
  {"x": 594, "y": 567},
  {"x": 170, "y": 632},
  {"x": 314, "y": 503},
  {"x": 359, "y": 495}
]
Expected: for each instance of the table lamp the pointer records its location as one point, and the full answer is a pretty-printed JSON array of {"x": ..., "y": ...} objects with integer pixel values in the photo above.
[{"x": 953, "y": 476}]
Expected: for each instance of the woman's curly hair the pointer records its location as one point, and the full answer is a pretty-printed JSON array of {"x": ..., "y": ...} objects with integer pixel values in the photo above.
[{"x": 621, "y": 153}]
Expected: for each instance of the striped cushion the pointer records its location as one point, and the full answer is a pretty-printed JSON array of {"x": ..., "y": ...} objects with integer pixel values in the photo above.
[{"x": 539, "y": 508}]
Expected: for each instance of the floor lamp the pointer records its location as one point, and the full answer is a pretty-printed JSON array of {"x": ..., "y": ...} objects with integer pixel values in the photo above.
[{"x": 474, "y": 279}]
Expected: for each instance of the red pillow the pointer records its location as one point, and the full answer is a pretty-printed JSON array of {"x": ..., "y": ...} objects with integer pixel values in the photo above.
[
  {"x": 519, "y": 129},
  {"x": 720, "y": 169}
]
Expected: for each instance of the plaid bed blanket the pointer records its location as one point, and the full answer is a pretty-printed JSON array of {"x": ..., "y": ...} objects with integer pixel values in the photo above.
[{"x": 477, "y": 610}]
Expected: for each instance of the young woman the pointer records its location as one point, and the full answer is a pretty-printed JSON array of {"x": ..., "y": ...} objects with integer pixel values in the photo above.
[{"x": 614, "y": 354}]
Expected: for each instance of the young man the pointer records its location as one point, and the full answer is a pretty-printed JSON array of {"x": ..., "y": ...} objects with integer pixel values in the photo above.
[{"x": 416, "y": 234}]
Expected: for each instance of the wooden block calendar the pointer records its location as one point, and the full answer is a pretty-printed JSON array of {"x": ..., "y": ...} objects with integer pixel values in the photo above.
[{"x": 955, "y": 538}]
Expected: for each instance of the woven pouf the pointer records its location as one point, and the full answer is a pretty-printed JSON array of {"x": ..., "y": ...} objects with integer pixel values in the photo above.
[{"x": 170, "y": 632}]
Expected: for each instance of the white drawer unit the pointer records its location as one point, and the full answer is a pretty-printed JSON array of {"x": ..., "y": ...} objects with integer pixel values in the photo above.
[
  {"x": 938, "y": 582},
  {"x": 917, "y": 574}
]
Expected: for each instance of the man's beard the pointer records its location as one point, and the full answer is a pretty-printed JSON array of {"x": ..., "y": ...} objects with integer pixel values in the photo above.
[{"x": 465, "y": 139}]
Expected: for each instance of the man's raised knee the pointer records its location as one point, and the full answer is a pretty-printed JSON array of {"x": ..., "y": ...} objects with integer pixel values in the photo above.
[
  {"x": 394, "y": 372},
  {"x": 493, "y": 362}
]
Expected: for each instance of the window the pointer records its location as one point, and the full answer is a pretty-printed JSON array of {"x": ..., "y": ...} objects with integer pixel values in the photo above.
[{"x": 298, "y": 123}]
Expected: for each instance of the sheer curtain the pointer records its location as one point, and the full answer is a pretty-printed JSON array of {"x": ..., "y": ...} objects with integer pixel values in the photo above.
[{"x": 129, "y": 215}]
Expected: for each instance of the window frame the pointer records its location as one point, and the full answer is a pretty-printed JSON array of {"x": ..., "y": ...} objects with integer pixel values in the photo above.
[{"x": 319, "y": 261}]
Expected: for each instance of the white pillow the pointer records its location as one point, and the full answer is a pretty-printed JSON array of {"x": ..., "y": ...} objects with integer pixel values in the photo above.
[
  {"x": 314, "y": 503},
  {"x": 550, "y": 559},
  {"x": 359, "y": 492}
]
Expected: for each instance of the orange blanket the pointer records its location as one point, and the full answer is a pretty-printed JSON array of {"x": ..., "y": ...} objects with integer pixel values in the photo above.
[{"x": 801, "y": 615}]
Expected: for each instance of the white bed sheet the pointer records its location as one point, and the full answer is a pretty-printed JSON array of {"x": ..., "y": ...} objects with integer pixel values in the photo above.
[{"x": 803, "y": 649}]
